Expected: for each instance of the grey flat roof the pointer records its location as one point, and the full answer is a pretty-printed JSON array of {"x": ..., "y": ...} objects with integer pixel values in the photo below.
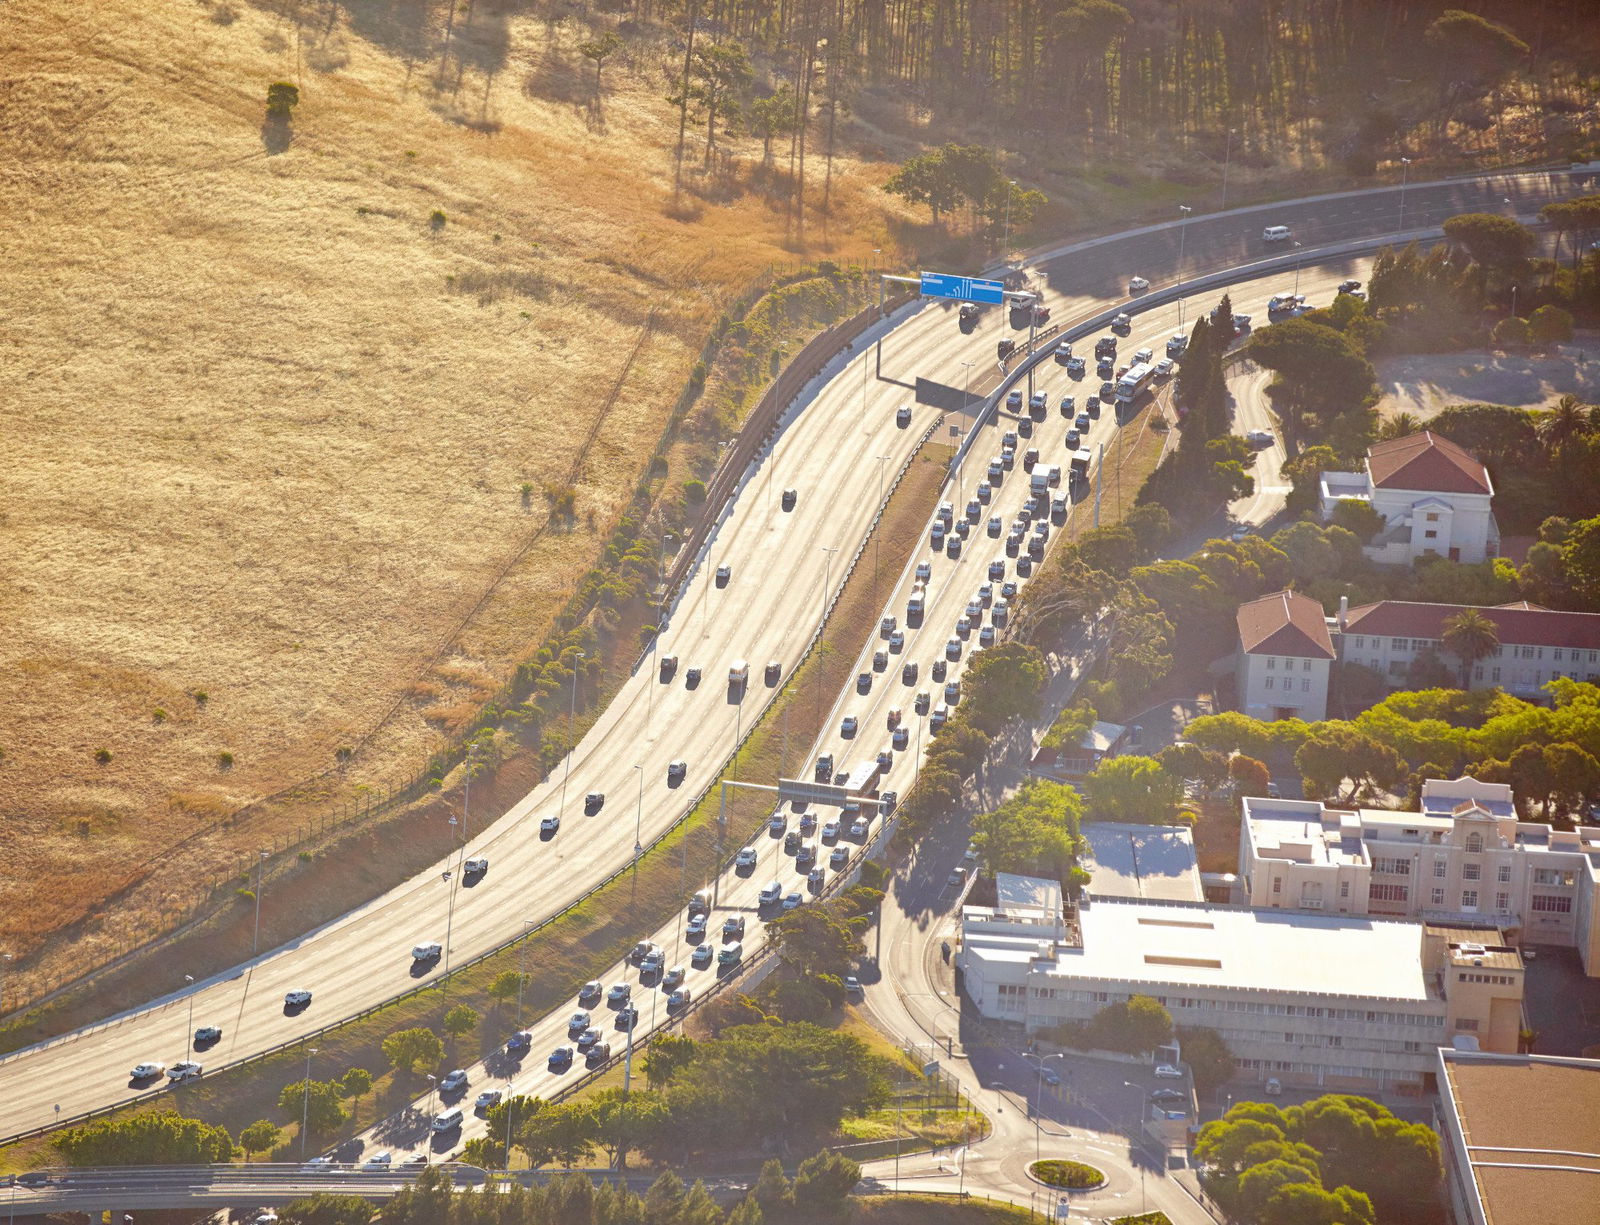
[{"x": 1142, "y": 861}]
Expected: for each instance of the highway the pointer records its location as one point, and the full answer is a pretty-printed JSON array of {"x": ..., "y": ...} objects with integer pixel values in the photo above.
[{"x": 829, "y": 454}]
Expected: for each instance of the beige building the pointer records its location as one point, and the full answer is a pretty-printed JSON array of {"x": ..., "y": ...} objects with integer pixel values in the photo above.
[
  {"x": 1285, "y": 652},
  {"x": 1315, "y": 1000},
  {"x": 1464, "y": 859},
  {"x": 1520, "y": 1138}
]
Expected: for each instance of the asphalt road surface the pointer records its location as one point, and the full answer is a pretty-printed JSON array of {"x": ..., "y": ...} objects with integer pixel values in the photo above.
[{"x": 768, "y": 609}]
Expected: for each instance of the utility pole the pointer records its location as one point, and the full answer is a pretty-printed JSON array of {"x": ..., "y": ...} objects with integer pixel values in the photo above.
[
  {"x": 1405, "y": 172},
  {"x": 255, "y": 939},
  {"x": 305, "y": 1105},
  {"x": 1183, "y": 232}
]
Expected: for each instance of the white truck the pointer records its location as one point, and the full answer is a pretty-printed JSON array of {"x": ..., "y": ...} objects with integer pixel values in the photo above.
[{"x": 1045, "y": 478}]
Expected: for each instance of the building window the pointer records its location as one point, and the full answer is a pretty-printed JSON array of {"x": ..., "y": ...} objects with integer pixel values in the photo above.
[
  {"x": 1440, "y": 867},
  {"x": 1388, "y": 893},
  {"x": 1436, "y": 897},
  {"x": 1272, "y": 661},
  {"x": 1305, "y": 684},
  {"x": 1468, "y": 1024},
  {"x": 1495, "y": 679},
  {"x": 1502, "y": 902},
  {"x": 1430, "y": 534},
  {"x": 1469, "y": 899},
  {"x": 1554, "y": 876},
  {"x": 1477, "y": 672},
  {"x": 1268, "y": 683},
  {"x": 1474, "y": 846},
  {"x": 1471, "y": 871},
  {"x": 1547, "y": 903},
  {"x": 1305, "y": 665},
  {"x": 1558, "y": 654},
  {"x": 1503, "y": 874},
  {"x": 1397, "y": 667},
  {"x": 1361, "y": 642},
  {"x": 1277, "y": 884},
  {"x": 1344, "y": 888},
  {"x": 1392, "y": 867},
  {"x": 1398, "y": 644},
  {"x": 1433, "y": 517}
]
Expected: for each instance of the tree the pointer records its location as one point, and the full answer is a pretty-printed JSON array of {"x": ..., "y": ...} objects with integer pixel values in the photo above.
[
  {"x": 625, "y": 1122},
  {"x": 1427, "y": 670},
  {"x": 666, "y": 1055},
  {"x": 1139, "y": 1025},
  {"x": 559, "y": 1132},
  {"x": 926, "y": 179},
  {"x": 158, "y": 1138},
  {"x": 356, "y": 1083},
  {"x": 772, "y": 1190},
  {"x": 460, "y": 1020},
  {"x": 1496, "y": 243},
  {"x": 1335, "y": 752},
  {"x": 1550, "y": 325},
  {"x": 328, "y": 1210},
  {"x": 1190, "y": 761},
  {"x": 1580, "y": 559},
  {"x": 1469, "y": 636},
  {"x": 507, "y": 986},
  {"x": 1004, "y": 683},
  {"x": 260, "y": 1137},
  {"x": 822, "y": 1186},
  {"x": 719, "y": 77},
  {"x": 1034, "y": 832},
  {"x": 1250, "y": 776},
  {"x": 407, "y": 1048},
  {"x": 771, "y": 117},
  {"x": 1210, "y": 1061},
  {"x": 1134, "y": 789},
  {"x": 1151, "y": 527},
  {"x": 1471, "y": 48},
  {"x": 1511, "y": 331},
  {"x": 1113, "y": 549},
  {"x": 596, "y": 50},
  {"x": 820, "y": 938},
  {"x": 317, "y": 1101},
  {"x": 487, "y": 1151},
  {"x": 1319, "y": 372},
  {"x": 1356, "y": 515},
  {"x": 282, "y": 98}
]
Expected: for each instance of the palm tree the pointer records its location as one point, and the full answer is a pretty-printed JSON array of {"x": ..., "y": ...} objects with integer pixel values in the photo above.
[
  {"x": 1401, "y": 425},
  {"x": 1470, "y": 636},
  {"x": 1566, "y": 420}
]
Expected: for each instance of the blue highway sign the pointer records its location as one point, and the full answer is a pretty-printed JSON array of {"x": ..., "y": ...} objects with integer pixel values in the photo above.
[{"x": 962, "y": 288}]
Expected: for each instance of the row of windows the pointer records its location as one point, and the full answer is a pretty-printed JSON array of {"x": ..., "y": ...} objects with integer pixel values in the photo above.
[
  {"x": 1551, "y": 904},
  {"x": 1391, "y": 867},
  {"x": 1288, "y": 664},
  {"x": 1288, "y": 684},
  {"x": 1388, "y": 893},
  {"x": 1469, "y": 900},
  {"x": 1506, "y": 651},
  {"x": 1370, "y": 1016},
  {"x": 1501, "y": 980}
]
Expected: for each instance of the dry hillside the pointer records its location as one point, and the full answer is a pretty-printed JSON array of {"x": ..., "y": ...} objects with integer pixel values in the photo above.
[{"x": 271, "y": 403}]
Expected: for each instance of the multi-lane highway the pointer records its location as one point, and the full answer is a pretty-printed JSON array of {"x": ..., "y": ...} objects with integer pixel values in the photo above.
[{"x": 779, "y": 572}]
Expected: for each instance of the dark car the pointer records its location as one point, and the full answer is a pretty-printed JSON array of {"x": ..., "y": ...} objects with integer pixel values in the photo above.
[
  {"x": 790, "y": 496},
  {"x": 1005, "y": 348}
]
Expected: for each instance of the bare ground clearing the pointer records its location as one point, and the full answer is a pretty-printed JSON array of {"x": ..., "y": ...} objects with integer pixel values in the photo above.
[
  {"x": 270, "y": 414},
  {"x": 1421, "y": 384}
]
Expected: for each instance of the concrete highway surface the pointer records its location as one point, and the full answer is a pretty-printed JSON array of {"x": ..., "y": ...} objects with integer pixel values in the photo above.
[{"x": 828, "y": 452}]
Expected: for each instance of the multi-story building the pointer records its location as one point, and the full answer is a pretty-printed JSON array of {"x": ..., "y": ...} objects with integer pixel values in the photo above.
[
  {"x": 1324, "y": 1000},
  {"x": 1433, "y": 495},
  {"x": 1285, "y": 652},
  {"x": 1537, "y": 645},
  {"x": 1519, "y": 1136},
  {"x": 1464, "y": 859}
]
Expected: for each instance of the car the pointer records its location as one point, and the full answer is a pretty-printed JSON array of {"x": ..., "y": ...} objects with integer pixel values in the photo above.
[
  {"x": 679, "y": 999},
  {"x": 1164, "y": 367},
  {"x": 619, "y": 993},
  {"x": 953, "y": 549},
  {"x": 824, "y": 768},
  {"x": 588, "y": 1038},
  {"x": 847, "y": 727},
  {"x": 1281, "y": 302},
  {"x": 971, "y": 853},
  {"x": 792, "y": 901},
  {"x": 995, "y": 525},
  {"x": 773, "y": 673},
  {"x": 1167, "y": 1071},
  {"x": 1008, "y": 591},
  {"x": 947, "y": 513},
  {"x": 746, "y": 858},
  {"x": 888, "y": 801},
  {"x": 724, "y": 573},
  {"x": 1041, "y": 314},
  {"x": 1014, "y": 399},
  {"x": 880, "y": 661},
  {"x": 1064, "y": 352},
  {"x": 808, "y": 822},
  {"x": 146, "y": 1071},
  {"x": 672, "y": 978},
  {"x": 937, "y": 719},
  {"x": 380, "y": 1162},
  {"x": 1349, "y": 286},
  {"x": 964, "y": 624},
  {"x": 1000, "y": 612},
  {"x": 957, "y": 878},
  {"x": 900, "y": 738},
  {"x": 522, "y": 1040},
  {"x": 1137, "y": 284},
  {"x": 296, "y": 999},
  {"x": 952, "y": 693},
  {"x": 986, "y": 636},
  {"x": 1260, "y": 438},
  {"x": 676, "y": 770},
  {"x": 184, "y": 1071},
  {"x": 1025, "y": 565},
  {"x": 1005, "y": 348},
  {"x": 936, "y": 536},
  {"x": 1076, "y": 367},
  {"x": 777, "y": 823},
  {"x": 1273, "y": 1087},
  {"x": 815, "y": 878},
  {"x": 669, "y": 665},
  {"x": 598, "y": 1053},
  {"x": 653, "y": 962},
  {"x": 590, "y": 992},
  {"x": 691, "y": 678},
  {"x": 886, "y": 760},
  {"x": 1239, "y": 532},
  {"x": 1050, "y": 1076},
  {"x": 489, "y": 1097},
  {"x": 924, "y": 571},
  {"x": 701, "y": 957},
  {"x": 830, "y": 831},
  {"x": 428, "y": 950},
  {"x": 416, "y": 1159},
  {"x": 975, "y": 508},
  {"x": 859, "y": 827},
  {"x": 627, "y": 1017},
  {"x": 730, "y": 955},
  {"x": 733, "y": 927},
  {"x": 839, "y": 857},
  {"x": 952, "y": 650},
  {"x": 902, "y": 416},
  {"x": 790, "y": 497},
  {"x": 1108, "y": 391},
  {"x": 1104, "y": 369},
  {"x": 864, "y": 682},
  {"x": 1167, "y": 1095},
  {"x": 1274, "y": 792},
  {"x": 454, "y": 1080},
  {"x": 852, "y": 985},
  {"x": 770, "y": 893},
  {"x": 207, "y": 1034},
  {"x": 1072, "y": 440},
  {"x": 550, "y": 824}
]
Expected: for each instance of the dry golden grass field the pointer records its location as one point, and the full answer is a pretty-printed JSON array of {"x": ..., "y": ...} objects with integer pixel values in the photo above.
[{"x": 269, "y": 409}]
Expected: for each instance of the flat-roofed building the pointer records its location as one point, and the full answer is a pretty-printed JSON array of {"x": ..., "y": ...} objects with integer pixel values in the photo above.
[
  {"x": 1464, "y": 859},
  {"x": 1520, "y": 1137},
  {"x": 1325, "y": 1000},
  {"x": 1141, "y": 861}
]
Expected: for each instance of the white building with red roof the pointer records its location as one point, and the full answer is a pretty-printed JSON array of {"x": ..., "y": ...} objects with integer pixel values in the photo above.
[
  {"x": 1433, "y": 495},
  {"x": 1285, "y": 653}
]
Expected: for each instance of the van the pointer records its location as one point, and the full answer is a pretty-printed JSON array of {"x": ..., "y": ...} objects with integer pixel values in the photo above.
[
  {"x": 739, "y": 674},
  {"x": 448, "y": 1120},
  {"x": 1275, "y": 233}
]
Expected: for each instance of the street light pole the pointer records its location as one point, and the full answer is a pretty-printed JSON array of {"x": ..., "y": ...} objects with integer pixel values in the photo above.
[
  {"x": 572, "y": 723},
  {"x": 255, "y": 939},
  {"x": 188, "y": 1033},
  {"x": 1011, "y": 189},
  {"x": 1183, "y": 233},
  {"x": 827, "y": 567},
  {"x": 305, "y": 1105},
  {"x": 1227, "y": 157},
  {"x": 508, "y": 1126},
  {"x": 1038, "y": 1095},
  {"x": 638, "y": 819},
  {"x": 1297, "y": 261},
  {"x": 522, "y": 972},
  {"x": 877, "y": 536},
  {"x": 1405, "y": 171}
]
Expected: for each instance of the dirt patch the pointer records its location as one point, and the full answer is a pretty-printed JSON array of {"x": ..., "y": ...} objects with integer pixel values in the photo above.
[
  {"x": 277, "y": 397},
  {"x": 1423, "y": 384}
]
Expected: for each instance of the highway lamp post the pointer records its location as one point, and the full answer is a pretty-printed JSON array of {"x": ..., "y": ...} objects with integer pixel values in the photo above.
[
  {"x": 638, "y": 819},
  {"x": 1038, "y": 1096},
  {"x": 261, "y": 866},
  {"x": 1011, "y": 190},
  {"x": 877, "y": 535},
  {"x": 305, "y": 1102},
  {"x": 450, "y": 911},
  {"x": 572, "y": 724},
  {"x": 188, "y": 1032},
  {"x": 1405, "y": 172},
  {"x": 1134, "y": 1137},
  {"x": 433, "y": 1085},
  {"x": 508, "y": 1126},
  {"x": 1513, "y": 301},
  {"x": 1183, "y": 233},
  {"x": 827, "y": 573},
  {"x": 1297, "y": 261},
  {"x": 522, "y": 973},
  {"x": 1227, "y": 158}
]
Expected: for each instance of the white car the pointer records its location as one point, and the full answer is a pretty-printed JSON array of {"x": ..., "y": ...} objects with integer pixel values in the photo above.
[
  {"x": 184, "y": 1071},
  {"x": 746, "y": 858},
  {"x": 427, "y": 950},
  {"x": 378, "y": 1161},
  {"x": 454, "y": 1080},
  {"x": 549, "y": 825},
  {"x": 146, "y": 1071},
  {"x": 619, "y": 992},
  {"x": 1164, "y": 367},
  {"x": 477, "y": 866},
  {"x": 489, "y": 1097},
  {"x": 1167, "y": 1072},
  {"x": 296, "y": 999},
  {"x": 1137, "y": 283},
  {"x": 1260, "y": 438},
  {"x": 792, "y": 901},
  {"x": 447, "y": 1120}
]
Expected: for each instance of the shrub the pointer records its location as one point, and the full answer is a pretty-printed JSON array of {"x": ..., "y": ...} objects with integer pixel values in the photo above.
[
  {"x": 282, "y": 98},
  {"x": 437, "y": 219},
  {"x": 1074, "y": 1175},
  {"x": 159, "y": 715},
  {"x": 694, "y": 492},
  {"x": 343, "y": 753},
  {"x": 224, "y": 760},
  {"x": 102, "y": 755}
]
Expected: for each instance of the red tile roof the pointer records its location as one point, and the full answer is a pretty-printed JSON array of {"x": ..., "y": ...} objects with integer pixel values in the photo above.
[
  {"x": 1427, "y": 462},
  {"x": 1519, "y": 624},
  {"x": 1285, "y": 623}
]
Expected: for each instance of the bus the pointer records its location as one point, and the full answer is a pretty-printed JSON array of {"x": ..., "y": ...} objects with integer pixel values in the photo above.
[
  {"x": 863, "y": 778},
  {"x": 1135, "y": 383}
]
